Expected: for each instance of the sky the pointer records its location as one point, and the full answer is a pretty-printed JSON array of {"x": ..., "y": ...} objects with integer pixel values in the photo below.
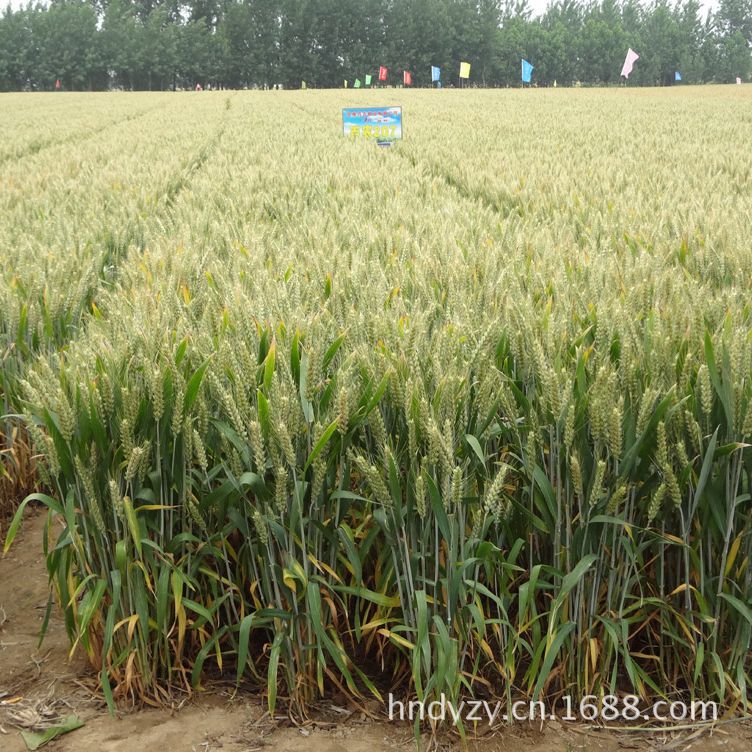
[{"x": 538, "y": 6}]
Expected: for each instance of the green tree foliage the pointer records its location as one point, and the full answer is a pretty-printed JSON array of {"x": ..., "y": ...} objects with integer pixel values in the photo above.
[{"x": 162, "y": 44}]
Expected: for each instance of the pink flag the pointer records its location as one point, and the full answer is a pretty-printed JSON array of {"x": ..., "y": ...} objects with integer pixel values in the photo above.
[{"x": 629, "y": 62}]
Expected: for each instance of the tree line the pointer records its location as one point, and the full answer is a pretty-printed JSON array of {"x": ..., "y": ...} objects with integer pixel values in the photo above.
[{"x": 166, "y": 44}]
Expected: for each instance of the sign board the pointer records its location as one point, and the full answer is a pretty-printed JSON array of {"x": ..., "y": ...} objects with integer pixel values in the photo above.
[{"x": 380, "y": 124}]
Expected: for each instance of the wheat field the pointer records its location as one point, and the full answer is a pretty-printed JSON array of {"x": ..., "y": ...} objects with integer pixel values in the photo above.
[{"x": 467, "y": 415}]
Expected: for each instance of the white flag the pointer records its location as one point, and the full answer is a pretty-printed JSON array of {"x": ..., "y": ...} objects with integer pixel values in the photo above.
[{"x": 629, "y": 62}]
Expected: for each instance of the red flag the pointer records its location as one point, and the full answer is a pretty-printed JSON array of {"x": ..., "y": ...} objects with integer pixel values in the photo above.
[
  {"x": 58, "y": 84},
  {"x": 382, "y": 73},
  {"x": 407, "y": 78}
]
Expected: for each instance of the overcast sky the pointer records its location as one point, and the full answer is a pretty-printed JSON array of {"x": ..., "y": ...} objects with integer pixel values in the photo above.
[{"x": 538, "y": 6}]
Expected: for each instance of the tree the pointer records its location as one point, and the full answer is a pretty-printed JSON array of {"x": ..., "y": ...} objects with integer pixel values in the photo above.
[
  {"x": 120, "y": 42},
  {"x": 68, "y": 46},
  {"x": 157, "y": 44}
]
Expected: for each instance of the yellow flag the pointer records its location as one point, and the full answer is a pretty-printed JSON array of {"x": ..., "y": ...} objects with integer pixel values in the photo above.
[
  {"x": 464, "y": 70},
  {"x": 345, "y": 83}
]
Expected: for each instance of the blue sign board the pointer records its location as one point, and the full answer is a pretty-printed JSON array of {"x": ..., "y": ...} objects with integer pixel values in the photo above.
[{"x": 380, "y": 124}]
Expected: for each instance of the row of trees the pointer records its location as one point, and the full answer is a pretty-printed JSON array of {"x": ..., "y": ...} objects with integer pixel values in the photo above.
[{"x": 161, "y": 44}]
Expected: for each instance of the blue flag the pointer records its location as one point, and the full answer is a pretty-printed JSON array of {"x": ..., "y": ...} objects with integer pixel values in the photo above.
[
  {"x": 435, "y": 74},
  {"x": 527, "y": 72},
  {"x": 677, "y": 76}
]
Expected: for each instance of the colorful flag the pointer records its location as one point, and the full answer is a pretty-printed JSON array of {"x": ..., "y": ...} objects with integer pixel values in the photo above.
[
  {"x": 382, "y": 73},
  {"x": 527, "y": 72},
  {"x": 677, "y": 76},
  {"x": 368, "y": 79},
  {"x": 407, "y": 78},
  {"x": 738, "y": 80},
  {"x": 435, "y": 74},
  {"x": 464, "y": 70},
  {"x": 356, "y": 85},
  {"x": 629, "y": 62}
]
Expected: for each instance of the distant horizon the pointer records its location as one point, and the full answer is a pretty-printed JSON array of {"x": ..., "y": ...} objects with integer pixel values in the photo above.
[{"x": 538, "y": 6}]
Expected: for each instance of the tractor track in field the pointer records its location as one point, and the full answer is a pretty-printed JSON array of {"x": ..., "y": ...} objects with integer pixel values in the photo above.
[
  {"x": 77, "y": 137},
  {"x": 170, "y": 193},
  {"x": 133, "y": 235},
  {"x": 504, "y": 208},
  {"x": 115, "y": 249}
]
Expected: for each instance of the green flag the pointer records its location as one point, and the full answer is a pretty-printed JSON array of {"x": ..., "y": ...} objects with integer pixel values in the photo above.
[
  {"x": 356, "y": 85},
  {"x": 368, "y": 79}
]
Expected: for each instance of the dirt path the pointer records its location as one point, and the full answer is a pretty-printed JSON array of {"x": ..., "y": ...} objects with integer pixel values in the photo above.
[{"x": 216, "y": 721}]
